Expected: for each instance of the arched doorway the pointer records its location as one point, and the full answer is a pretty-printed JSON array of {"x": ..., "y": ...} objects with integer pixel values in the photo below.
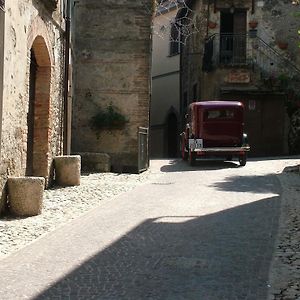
[
  {"x": 38, "y": 118},
  {"x": 172, "y": 136}
]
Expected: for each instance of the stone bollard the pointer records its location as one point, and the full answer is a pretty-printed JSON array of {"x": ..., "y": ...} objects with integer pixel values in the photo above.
[
  {"x": 25, "y": 195},
  {"x": 67, "y": 170}
]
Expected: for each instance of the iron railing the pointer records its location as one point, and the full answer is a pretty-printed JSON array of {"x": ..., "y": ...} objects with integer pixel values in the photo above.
[{"x": 246, "y": 50}]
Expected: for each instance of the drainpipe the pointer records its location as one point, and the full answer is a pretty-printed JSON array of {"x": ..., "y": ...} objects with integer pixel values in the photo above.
[
  {"x": 2, "y": 24},
  {"x": 67, "y": 113}
]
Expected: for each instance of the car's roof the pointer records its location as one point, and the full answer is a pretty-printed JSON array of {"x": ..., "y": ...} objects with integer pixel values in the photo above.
[{"x": 217, "y": 104}]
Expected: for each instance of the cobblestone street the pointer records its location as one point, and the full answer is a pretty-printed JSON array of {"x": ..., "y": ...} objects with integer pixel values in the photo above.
[{"x": 213, "y": 231}]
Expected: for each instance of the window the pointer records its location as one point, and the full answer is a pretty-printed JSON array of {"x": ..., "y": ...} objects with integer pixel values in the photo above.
[
  {"x": 175, "y": 39},
  {"x": 224, "y": 114},
  {"x": 2, "y": 4}
]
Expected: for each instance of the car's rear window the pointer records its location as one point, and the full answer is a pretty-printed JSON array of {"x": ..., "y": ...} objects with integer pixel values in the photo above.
[{"x": 219, "y": 114}]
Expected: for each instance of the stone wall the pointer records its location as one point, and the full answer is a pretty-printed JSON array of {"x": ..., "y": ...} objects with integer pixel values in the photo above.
[
  {"x": 30, "y": 26},
  {"x": 277, "y": 22},
  {"x": 111, "y": 66},
  {"x": 255, "y": 80}
]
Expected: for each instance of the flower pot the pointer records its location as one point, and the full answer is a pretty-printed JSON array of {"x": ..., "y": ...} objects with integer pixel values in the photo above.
[
  {"x": 253, "y": 24},
  {"x": 282, "y": 45},
  {"x": 212, "y": 25}
]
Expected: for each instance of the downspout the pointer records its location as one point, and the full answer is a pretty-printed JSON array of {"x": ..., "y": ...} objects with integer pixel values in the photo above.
[
  {"x": 66, "y": 130},
  {"x": 2, "y": 30}
]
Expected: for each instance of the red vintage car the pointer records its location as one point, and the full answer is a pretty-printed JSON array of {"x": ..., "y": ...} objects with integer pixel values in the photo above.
[{"x": 215, "y": 129}]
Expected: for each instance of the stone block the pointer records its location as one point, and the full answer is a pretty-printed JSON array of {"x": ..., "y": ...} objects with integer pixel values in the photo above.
[
  {"x": 95, "y": 162},
  {"x": 25, "y": 195},
  {"x": 67, "y": 170}
]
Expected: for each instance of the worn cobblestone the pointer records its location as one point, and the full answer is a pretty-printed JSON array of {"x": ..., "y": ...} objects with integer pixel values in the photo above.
[
  {"x": 165, "y": 240},
  {"x": 60, "y": 205},
  {"x": 285, "y": 269}
]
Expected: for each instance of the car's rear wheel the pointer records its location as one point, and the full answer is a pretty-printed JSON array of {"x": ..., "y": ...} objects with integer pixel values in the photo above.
[{"x": 243, "y": 160}]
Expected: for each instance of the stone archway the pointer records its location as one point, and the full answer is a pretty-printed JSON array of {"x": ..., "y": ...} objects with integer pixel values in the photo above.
[{"x": 38, "y": 120}]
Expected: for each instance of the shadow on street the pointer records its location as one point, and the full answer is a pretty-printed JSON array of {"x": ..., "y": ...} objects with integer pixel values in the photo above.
[
  {"x": 178, "y": 165},
  {"x": 251, "y": 184},
  {"x": 225, "y": 255}
]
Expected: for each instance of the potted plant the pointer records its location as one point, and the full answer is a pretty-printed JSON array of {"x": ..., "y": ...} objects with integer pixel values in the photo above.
[
  {"x": 282, "y": 44},
  {"x": 109, "y": 118},
  {"x": 212, "y": 24},
  {"x": 253, "y": 24}
]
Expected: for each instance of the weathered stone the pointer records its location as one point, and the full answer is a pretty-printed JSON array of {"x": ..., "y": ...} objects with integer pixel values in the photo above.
[
  {"x": 25, "y": 195},
  {"x": 112, "y": 66},
  {"x": 33, "y": 37},
  {"x": 95, "y": 162},
  {"x": 67, "y": 170}
]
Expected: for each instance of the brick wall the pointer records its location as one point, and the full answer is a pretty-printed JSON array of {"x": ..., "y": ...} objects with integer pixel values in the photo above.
[{"x": 111, "y": 65}]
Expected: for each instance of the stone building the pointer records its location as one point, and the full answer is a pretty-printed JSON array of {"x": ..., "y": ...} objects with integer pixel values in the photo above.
[
  {"x": 245, "y": 50},
  {"x": 31, "y": 102},
  {"x": 111, "y": 80},
  {"x": 165, "y": 100}
]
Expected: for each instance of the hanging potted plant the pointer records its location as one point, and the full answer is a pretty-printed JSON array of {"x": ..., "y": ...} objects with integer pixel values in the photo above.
[
  {"x": 282, "y": 44},
  {"x": 109, "y": 119},
  {"x": 253, "y": 24},
  {"x": 212, "y": 25}
]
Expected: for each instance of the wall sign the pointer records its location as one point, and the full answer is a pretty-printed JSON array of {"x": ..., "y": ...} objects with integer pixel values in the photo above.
[{"x": 238, "y": 76}]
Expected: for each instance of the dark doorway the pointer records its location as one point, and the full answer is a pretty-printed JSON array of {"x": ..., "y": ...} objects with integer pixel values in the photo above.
[
  {"x": 233, "y": 37},
  {"x": 172, "y": 136},
  {"x": 30, "y": 115},
  {"x": 38, "y": 118}
]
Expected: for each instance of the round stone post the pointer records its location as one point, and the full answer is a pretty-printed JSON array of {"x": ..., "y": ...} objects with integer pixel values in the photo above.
[
  {"x": 67, "y": 170},
  {"x": 25, "y": 195}
]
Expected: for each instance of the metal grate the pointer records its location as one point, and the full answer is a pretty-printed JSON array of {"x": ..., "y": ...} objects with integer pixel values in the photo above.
[{"x": 143, "y": 159}]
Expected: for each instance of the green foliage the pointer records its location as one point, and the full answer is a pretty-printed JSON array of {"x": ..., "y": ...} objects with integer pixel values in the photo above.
[{"x": 109, "y": 118}]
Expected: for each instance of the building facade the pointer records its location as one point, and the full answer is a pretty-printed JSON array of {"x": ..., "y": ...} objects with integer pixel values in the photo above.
[
  {"x": 247, "y": 51},
  {"x": 165, "y": 100},
  {"x": 111, "y": 80},
  {"x": 32, "y": 59}
]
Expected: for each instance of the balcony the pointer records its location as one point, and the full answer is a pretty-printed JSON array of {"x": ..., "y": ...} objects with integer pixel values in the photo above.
[{"x": 243, "y": 50}]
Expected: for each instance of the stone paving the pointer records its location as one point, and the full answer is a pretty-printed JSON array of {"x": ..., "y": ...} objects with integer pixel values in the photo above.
[
  {"x": 162, "y": 240},
  {"x": 60, "y": 205},
  {"x": 285, "y": 269}
]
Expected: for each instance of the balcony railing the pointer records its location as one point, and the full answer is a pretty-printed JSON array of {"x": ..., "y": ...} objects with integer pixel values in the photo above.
[{"x": 228, "y": 50}]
